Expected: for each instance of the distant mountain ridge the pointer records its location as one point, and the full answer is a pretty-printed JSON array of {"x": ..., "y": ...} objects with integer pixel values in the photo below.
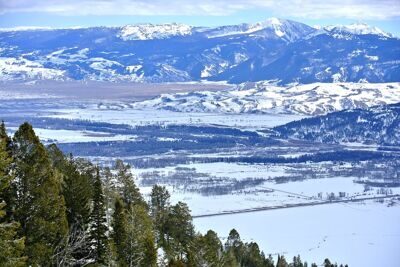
[
  {"x": 275, "y": 49},
  {"x": 262, "y": 97}
]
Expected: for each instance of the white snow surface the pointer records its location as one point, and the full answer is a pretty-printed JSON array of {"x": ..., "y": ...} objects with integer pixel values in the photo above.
[
  {"x": 308, "y": 99},
  {"x": 357, "y": 234},
  {"x": 280, "y": 28},
  {"x": 71, "y": 136},
  {"x": 14, "y": 68},
  {"x": 151, "y": 31},
  {"x": 124, "y": 114},
  {"x": 358, "y": 29}
]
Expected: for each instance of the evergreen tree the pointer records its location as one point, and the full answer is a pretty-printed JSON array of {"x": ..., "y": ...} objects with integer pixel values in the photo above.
[
  {"x": 77, "y": 191},
  {"x": 180, "y": 231},
  {"x": 211, "y": 248},
  {"x": 149, "y": 251},
  {"x": 76, "y": 188},
  {"x": 159, "y": 209},
  {"x": 128, "y": 190},
  {"x": 98, "y": 227},
  {"x": 253, "y": 256},
  {"x": 327, "y": 263},
  {"x": 11, "y": 247},
  {"x": 40, "y": 206},
  {"x": 297, "y": 261},
  {"x": 139, "y": 228},
  {"x": 119, "y": 234},
  {"x": 234, "y": 244},
  {"x": 282, "y": 262},
  {"x": 6, "y": 194},
  {"x": 4, "y": 136}
]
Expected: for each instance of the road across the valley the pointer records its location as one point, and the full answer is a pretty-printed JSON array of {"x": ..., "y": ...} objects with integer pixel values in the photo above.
[{"x": 293, "y": 206}]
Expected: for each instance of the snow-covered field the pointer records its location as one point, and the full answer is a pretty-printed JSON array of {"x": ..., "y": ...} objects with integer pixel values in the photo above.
[
  {"x": 358, "y": 234},
  {"x": 164, "y": 117},
  {"x": 71, "y": 136}
]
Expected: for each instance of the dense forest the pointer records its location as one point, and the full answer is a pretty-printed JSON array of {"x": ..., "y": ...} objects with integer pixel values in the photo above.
[{"x": 57, "y": 210}]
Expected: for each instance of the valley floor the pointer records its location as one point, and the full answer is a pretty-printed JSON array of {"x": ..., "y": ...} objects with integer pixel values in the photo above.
[
  {"x": 359, "y": 234},
  {"x": 197, "y": 156}
]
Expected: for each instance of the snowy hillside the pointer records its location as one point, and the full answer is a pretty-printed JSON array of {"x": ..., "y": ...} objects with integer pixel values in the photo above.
[
  {"x": 310, "y": 99},
  {"x": 150, "y": 31},
  {"x": 377, "y": 125},
  {"x": 275, "y": 49},
  {"x": 358, "y": 29},
  {"x": 288, "y": 30}
]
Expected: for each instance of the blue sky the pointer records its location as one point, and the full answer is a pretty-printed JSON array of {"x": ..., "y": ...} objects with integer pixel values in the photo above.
[{"x": 384, "y": 14}]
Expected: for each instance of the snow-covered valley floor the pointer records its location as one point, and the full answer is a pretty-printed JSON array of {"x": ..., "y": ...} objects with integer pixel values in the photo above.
[{"x": 358, "y": 234}]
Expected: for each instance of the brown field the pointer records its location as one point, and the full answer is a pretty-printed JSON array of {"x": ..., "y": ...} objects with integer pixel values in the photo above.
[{"x": 91, "y": 90}]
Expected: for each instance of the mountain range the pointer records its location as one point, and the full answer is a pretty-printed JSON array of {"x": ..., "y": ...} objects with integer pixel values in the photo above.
[{"x": 277, "y": 50}]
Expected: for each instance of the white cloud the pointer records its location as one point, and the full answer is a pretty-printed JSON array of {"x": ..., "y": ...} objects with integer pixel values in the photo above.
[{"x": 353, "y": 9}]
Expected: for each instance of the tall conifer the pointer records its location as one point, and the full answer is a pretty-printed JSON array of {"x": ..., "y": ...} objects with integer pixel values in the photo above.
[{"x": 40, "y": 206}]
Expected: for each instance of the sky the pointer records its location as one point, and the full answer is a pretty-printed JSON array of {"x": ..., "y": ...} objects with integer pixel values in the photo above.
[{"x": 384, "y": 14}]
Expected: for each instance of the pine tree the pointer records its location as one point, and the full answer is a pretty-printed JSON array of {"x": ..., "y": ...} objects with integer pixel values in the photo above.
[
  {"x": 327, "y": 263},
  {"x": 149, "y": 251},
  {"x": 128, "y": 190},
  {"x": 133, "y": 236},
  {"x": 98, "y": 227},
  {"x": 11, "y": 247},
  {"x": 6, "y": 194},
  {"x": 119, "y": 234},
  {"x": 282, "y": 262},
  {"x": 4, "y": 136},
  {"x": 77, "y": 192},
  {"x": 297, "y": 261},
  {"x": 159, "y": 208},
  {"x": 139, "y": 231},
  {"x": 180, "y": 230},
  {"x": 211, "y": 249},
  {"x": 40, "y": 206},
  {"x": 76, "y": 188},
  {"x": 235, "y": 244}
]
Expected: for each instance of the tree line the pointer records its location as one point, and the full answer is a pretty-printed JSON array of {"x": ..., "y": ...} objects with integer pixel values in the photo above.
[{"x": 57, "y": 210}]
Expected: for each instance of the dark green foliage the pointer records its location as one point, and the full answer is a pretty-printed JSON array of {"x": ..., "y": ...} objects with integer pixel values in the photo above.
[
  {"x": 282, "y": 262},
  {"x": 297, "y": 262},
  {"x": 119, "y": 234},
  {"x": 180, "y": 230},
  {"x": 235, "y": 245},
  {"x": 128, "y": 190},
  {"x": 39, "y": 204},
  {"x": 11, "y": 246},
  {"x": 210, "y": 249},
  {"x": 98, "y": 226},
  {"x": 149, "y": 251},
  {"x": 76, "y": 188},
  {"x": 327, "y": 263},
  {"x": 159, "y": 209}
]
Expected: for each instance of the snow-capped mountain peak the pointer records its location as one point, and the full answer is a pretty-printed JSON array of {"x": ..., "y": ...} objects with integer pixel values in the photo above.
[
  {"x": 358, "y": 29},
  {"x": 152, "y": 31},
  {"x": 271, "y": 27}
]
